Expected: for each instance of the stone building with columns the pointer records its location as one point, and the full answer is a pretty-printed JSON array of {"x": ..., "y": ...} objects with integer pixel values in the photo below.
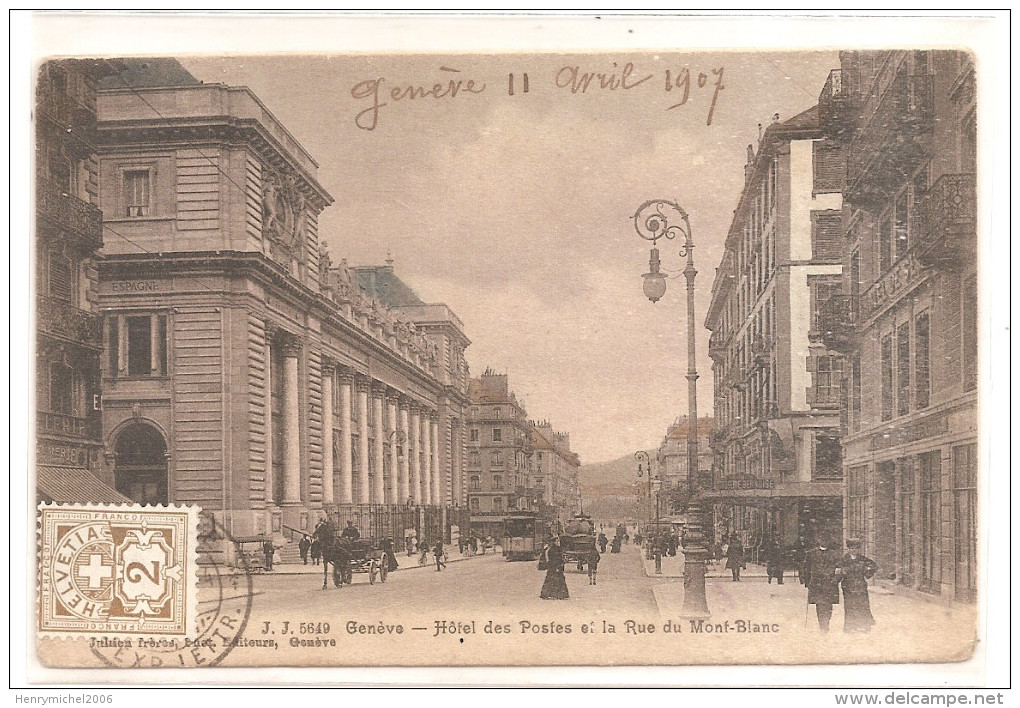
[{"x": 243, "y": 372}]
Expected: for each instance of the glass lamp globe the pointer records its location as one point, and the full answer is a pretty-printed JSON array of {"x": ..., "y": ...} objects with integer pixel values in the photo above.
[{"x": 654, "y": 285}]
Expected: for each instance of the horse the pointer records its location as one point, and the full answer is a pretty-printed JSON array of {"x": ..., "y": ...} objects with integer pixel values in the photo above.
[{"x": 336, "y": 551}]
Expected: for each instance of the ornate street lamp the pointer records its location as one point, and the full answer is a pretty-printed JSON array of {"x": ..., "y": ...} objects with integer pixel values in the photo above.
[
  {"x": 655, "y": 219},
  {"x": 642, "y": 458}
]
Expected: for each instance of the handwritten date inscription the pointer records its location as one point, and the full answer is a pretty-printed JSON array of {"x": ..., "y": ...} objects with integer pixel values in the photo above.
[{"x": 377, "y": 93}]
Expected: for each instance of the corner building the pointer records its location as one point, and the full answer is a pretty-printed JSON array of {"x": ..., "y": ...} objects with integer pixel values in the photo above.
[
  {"x": 500, "y": 454},
  {"x": 906, "y": 316},
  {"x": 243, "y": 371},
  {"x": 777, "y": 461},
  {"x": 68, "y": 239}
]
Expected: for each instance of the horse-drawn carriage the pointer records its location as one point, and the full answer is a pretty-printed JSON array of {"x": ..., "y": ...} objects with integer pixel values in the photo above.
[
  {"x": 578, "y": 540},
  {"x": 250, "y": 553},
  {"x": 350, "y": 556}
]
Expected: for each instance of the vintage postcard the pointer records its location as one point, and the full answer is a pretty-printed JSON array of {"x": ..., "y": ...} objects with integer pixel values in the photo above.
[{"x": 640, "y": 356}]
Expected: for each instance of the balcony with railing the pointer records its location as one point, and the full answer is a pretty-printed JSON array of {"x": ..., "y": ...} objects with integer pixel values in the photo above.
[
  {"x": 717, "y": 342},
  {"x": 64, "y": 211},
  {"x": 948, "y": 217},
  {"x": 834, "y": 103},
  {"x": 65, "y": 321},
  {"x": 886, "y": 143},
  {"x": 837, "y": 321}
]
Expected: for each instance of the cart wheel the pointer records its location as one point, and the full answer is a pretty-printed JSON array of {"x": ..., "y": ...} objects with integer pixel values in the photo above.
[
  {"x": 371, "y": 573},
  {"x": 383, "y": 572}
]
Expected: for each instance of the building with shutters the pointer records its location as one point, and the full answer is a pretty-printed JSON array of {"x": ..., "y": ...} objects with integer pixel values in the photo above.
[
  {"x": 777, "y": 459},
  {"x": 906, "y": 316},
  {"x": 499, "y": 455},
  {"x": 243, "y": 370},
  {"x": 68, "y": 237},
  {"x": 674, "y": 464},
  {"x": 554, "y": 472}
]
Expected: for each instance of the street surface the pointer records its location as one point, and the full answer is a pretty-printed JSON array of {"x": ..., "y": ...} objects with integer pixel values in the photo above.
[{"x": 485, "y": 610}]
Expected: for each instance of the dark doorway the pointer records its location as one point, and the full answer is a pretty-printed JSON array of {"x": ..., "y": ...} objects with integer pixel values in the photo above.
[{"x": 141, "y": 471}]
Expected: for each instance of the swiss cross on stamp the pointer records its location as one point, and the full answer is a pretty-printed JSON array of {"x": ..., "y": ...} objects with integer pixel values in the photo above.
[{"x": 116, "y": 570}]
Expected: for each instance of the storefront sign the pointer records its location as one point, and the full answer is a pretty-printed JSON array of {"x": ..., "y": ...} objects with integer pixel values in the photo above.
[
  {"x": 59, "y": 454},
  {"x": 890, "y": 285},
  {"x": 745, "y": 483}
]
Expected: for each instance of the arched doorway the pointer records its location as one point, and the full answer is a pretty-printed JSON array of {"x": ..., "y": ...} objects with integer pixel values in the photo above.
[{"x": 140, "y": 473}]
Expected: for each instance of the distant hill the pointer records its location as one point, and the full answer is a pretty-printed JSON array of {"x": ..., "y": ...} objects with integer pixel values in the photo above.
[{"x": 608, "y": 488}]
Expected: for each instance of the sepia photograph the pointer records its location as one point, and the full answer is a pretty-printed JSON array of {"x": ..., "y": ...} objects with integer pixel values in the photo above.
[{"x": 648, "y": 354}]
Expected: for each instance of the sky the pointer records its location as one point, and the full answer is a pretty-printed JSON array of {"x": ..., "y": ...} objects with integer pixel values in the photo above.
[{"x": 516, "y": 210}]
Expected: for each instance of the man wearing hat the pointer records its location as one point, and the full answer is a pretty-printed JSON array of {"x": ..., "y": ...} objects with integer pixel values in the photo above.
[
  {"x": 821, "y": 576},
  {"x": 856, "y": 568}
]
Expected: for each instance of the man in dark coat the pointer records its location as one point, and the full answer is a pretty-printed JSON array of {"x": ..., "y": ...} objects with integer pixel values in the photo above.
[
  {"x": 268, "y": 550},
  {"x": 440, "y": 556},
  {"x": 351, "y": 532},
  {"x": 821, "y": 576},
  {"x": 735, "y": 557},
  {"x": 303, "y": 546}
]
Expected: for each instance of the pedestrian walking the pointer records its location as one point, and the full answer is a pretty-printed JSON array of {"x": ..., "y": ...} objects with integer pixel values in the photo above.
[
  {"x": 409, "y": 545},
  {"x": 268, "y": 550},
  {"x": 303, "y": 547},
  {"x": 440, "y": 555},
  {"x": 390, "y": 556},
  {"x": 603, "y": 542},
  {"x": 774, "y": 562},
  {"x": 555, "y": 585},
  {"x": 735, "y": 557},
  {"x": 424, "y": 549},
  {"x": 316, "y": 551},
  {"x": 593, "y": 565},
  {"x": 856, "y": 569},
  {"x": 821, "y": 575}
]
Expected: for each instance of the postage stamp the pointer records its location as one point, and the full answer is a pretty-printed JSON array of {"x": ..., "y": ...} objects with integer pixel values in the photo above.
[
  {"x": 116, "y": 570},
  {"x": 408, "y": 359}
]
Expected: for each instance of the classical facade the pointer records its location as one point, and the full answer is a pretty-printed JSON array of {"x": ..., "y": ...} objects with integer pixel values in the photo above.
[
  {"x": 554, "y": 471},
  {"x": 776, "y": 445},
  {"x": 243, "y": 371},
  {"x": 499, "y": 453},
  {"x": 906, "y": 315},
  {"x": 68, "y": 236}
]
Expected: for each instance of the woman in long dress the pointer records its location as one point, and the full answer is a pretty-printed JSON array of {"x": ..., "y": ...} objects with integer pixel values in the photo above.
[
  {"x": 555, "y": 585},
  {"x": 855, "y": 570}
]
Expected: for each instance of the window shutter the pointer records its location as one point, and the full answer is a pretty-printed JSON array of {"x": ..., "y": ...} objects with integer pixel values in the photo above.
[
  {"x": 827, "y": 236},
  {"x": 828, "y": 168},
  {"x": 61, "y": 280}
]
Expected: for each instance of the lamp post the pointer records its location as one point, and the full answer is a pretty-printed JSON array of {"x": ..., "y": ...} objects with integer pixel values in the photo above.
[{"x": 655, "y": 219}]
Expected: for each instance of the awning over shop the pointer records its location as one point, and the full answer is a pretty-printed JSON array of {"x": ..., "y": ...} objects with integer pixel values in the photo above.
[
  {"x": 783, "y": 490},
  {"x": 75, "y": 485}
]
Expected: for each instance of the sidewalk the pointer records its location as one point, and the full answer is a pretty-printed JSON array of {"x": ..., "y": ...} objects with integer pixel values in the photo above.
[
  {"x": 907, "y": 628},
  {"x": 405, "y": 563},
  {"x": 673, "y": 567}
]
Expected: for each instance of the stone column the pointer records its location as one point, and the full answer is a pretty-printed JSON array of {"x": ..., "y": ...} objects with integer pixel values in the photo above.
[
  {"x": 328, "y": 474},
  {"x": 270, "y": 333},
  {"x": 378, "y": 446},
  {"x": 413, "y": 441},
  {"x": 404, "y": 483},
  {"x": 364, "y": 493},
  {"x": 428, "y": 495},
  {"x": 346, "y": 462},
  {"x": 438, "y": 481},
  {"x": 291, "y": 425},
  {"x": 393, "y": 473}
]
